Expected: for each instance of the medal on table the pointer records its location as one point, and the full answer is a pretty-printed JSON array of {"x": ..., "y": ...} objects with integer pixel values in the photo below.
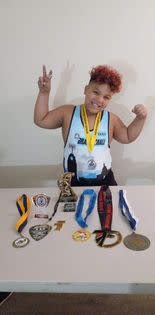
[
  {"x": 83, "y": 234},
  {"x": 23, "y": 205},
  {"x": 105, "y": 211},
  {"x": 39, "y": 231},
  {"x": 134, "y": 241},
  {"x": 41, "y": 201}
]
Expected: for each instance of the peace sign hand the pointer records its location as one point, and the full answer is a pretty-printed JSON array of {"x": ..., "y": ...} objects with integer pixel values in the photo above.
[{"x": 44, "y": 82}]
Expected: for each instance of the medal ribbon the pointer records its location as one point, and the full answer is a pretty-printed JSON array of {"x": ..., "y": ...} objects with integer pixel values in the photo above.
[
  {"x": 105, "y": 211},
  {"x": 90, "y": 140},
  {"x": 23, "y": 205},
  {"x": 126, "y": 210},
  {"x": 78, "y": 214},
  {"x": 105, "y": 208}
]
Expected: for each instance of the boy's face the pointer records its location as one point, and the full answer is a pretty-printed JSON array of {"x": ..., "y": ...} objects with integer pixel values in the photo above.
[{"x": 97, "y": 97}]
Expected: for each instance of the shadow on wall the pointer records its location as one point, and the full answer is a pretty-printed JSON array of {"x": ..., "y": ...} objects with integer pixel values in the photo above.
[{"x": 127, "y": 172}]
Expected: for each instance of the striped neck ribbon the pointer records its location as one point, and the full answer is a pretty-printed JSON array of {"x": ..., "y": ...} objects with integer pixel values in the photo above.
[
  {"x": 78, "y": 215},
  {"x": 105, "y": 208},
  {"x": 90, "y": 140},
  {"x": 23, "y": 204},
  {"x": 105, "y": 211},
  {"x": 127, "y": 210}
]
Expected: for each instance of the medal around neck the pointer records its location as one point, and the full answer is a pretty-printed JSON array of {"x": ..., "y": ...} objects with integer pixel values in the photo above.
[
  {"x": 90, "y": 140},
  {"x": 134, "y": 241}
]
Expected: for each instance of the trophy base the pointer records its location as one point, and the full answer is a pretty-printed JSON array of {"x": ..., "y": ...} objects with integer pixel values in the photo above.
[{"x": 68, "y": 198}]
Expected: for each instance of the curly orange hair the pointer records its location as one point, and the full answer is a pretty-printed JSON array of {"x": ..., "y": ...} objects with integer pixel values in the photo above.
[{"x": 106, "y": 75}]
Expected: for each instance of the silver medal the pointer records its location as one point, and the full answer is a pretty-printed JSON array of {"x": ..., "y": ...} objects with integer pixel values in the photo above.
[{"x": 21, "y": 242}]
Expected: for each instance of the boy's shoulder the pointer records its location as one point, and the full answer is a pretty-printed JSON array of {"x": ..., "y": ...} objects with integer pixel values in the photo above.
[{"x": 67, "y": 108}]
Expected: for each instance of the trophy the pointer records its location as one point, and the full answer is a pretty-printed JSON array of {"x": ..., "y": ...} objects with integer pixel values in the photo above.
[{"x": 64, "y": 183}]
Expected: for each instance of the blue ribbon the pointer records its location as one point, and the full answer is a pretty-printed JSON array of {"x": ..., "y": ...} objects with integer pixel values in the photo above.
[
  {"x": 78, "y": 214},
  {"x": 126, "y": 210}
]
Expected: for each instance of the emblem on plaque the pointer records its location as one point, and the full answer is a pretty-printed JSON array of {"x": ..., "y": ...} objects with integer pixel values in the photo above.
[{"x": 64, "y": 184}]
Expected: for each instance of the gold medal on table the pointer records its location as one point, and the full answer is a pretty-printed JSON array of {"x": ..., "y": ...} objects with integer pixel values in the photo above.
[
  {"x": 136, "y": 242},
  {"x": 81, "y": 235}
]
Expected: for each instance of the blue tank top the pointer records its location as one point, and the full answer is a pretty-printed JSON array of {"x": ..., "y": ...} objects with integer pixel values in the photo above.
[{"x": 92, "y": 166}]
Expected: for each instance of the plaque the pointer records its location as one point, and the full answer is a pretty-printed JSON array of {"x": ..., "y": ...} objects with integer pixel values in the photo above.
[{"x": 69, "y": 207}]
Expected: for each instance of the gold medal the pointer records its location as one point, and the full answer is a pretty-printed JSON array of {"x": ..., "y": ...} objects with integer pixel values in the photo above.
[
  {"x": 90, "y": 140},
  {"x": 136, "y": 242},
  {"x": 81, "y": 235}
]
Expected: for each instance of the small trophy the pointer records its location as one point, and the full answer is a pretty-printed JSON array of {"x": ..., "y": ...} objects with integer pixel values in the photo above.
[{"x": 64, "y": 183}]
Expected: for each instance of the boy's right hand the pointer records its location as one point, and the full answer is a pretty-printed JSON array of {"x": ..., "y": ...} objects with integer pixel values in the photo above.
[{"x": 44, "y": 82}]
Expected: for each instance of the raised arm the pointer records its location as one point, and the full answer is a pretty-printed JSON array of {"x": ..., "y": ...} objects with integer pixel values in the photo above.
[
  {"x": 42, "y": 116},
  {"x": 124, "y": 134}
]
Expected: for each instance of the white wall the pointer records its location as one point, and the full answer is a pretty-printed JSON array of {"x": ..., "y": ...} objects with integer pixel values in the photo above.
[{"x": 70, "y": 37}]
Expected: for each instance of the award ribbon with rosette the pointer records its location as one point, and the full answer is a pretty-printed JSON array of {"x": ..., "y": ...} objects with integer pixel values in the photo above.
[
  {"x": 90, "y": 140},
  {"x": 83, "y": 234},
  {"x": 133, "y": 241},
  {"x": 23, "y": 205},
  {"x": 105, "y": 211}
]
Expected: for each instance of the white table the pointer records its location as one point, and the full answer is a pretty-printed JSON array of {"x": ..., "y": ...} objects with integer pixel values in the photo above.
[{"x": 57, "y": 263}]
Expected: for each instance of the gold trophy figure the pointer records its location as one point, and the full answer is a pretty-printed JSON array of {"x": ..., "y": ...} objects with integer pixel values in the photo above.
[{"x": 64, "y": 183}]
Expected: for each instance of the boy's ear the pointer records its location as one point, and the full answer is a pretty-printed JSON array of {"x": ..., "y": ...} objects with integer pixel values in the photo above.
[{"x": 85, "y": 89}]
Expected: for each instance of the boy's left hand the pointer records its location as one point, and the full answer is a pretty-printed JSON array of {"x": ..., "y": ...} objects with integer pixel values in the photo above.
[{"x": 140, "y": 111}]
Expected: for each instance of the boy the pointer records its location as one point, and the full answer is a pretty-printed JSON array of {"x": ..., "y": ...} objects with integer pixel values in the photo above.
[{"x": 88, "y": 129}]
